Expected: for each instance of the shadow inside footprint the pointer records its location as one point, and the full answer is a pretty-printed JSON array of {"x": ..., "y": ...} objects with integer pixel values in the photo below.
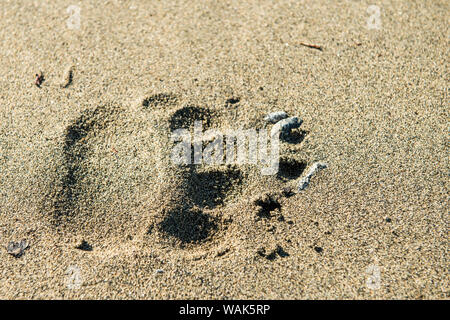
[
  {"x": 74, "y": 151},
  {"x": 267, "y": 204},
  {"x": 202, "y": 190},
  {"x": 296, "y": 137},
  {"x": 188, "y": 225},
  {"x": 291, "y": 168},
  {"x": 208, "y": 189}
]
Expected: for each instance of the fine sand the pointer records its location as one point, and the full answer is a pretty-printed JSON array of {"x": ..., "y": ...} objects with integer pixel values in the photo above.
[{"x": 86, "y": 175}]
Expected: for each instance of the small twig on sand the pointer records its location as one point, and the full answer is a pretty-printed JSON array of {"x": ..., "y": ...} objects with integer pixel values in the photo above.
[{"x": 313, "y": 46}]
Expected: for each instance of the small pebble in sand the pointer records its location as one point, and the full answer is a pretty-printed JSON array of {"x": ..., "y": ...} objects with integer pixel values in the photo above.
[
  {"x": 304, "y": 182},
  {"x": 159, "y": 271},
  {"x": 17, "y": 248},
  {"x": 276, "y": 116},
  {"x": 285, "y": 126}
]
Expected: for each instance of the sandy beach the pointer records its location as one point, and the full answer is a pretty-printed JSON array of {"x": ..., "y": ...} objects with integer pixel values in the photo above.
[{"x": 93, "y": 92}]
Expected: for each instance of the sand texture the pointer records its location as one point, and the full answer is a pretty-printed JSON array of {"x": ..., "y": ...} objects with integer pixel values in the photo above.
[{"x": 89, "y": 100}]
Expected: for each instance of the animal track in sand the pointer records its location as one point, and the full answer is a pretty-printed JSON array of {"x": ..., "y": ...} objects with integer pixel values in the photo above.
[{"x": 115, "y": 176}]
